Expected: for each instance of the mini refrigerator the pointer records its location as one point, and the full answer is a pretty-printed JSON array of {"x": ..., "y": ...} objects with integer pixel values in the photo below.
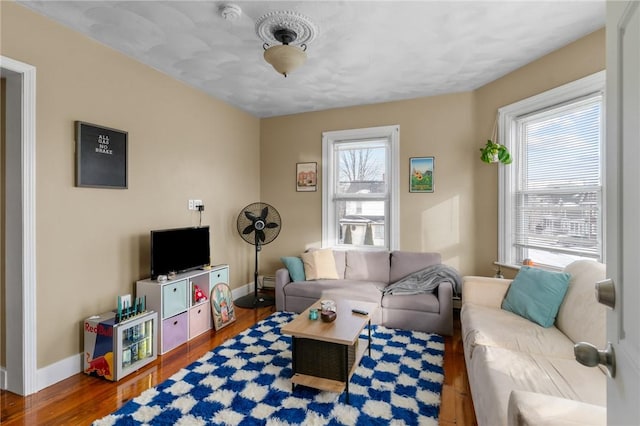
[{"x": 113, "y": 350}]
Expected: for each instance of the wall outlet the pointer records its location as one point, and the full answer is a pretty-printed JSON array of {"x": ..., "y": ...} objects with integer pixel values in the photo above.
[{"x": 193, "y": 204}]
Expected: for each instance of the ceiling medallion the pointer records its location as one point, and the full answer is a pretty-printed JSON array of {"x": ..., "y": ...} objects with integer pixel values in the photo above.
[
  {"x": 291, "y": 29},
  {"x": 267, "y": 24}
]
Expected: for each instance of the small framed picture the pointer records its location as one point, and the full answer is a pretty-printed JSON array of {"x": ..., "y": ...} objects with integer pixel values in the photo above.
[
  {"x": 222, "y": 308},
  {"x": 306, "y": 177},
  {"x": 101, "y": 156},
  {"x": 421, "y": 174}
]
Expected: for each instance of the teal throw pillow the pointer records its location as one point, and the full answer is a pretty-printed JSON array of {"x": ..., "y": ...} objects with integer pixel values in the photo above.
[
  {"x": 295, "y": 266},
  {"x": 536, "y": 294}
]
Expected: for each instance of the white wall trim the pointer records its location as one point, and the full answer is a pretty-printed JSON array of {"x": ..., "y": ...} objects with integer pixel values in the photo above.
[
  {"x": 59, "y": 371},
  {"x": 507, "y": 115},
  {"x": 3, "y": 378},
  {"x": 242, "y": 290},
  {"x": 28, "y": 346},
  {"x": 328, "y": 215},
  {"x": 65, "y": 368}
]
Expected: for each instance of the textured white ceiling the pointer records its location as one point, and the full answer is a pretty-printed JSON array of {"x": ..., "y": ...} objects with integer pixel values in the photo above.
[{"x": 365, "y": 52}]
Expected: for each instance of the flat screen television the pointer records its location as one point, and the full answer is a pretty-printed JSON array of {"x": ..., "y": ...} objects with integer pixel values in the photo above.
[{"x": 179, "y": 250}]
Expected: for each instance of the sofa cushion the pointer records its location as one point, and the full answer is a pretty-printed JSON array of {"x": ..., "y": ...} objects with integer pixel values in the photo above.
[
  {"x": 319, "y": 264},
  {"x": 367, "y": 266},
  {"x": 581, "y": 317},
  {"x": 404, "y": 263},
  {"x": 495, "y": 372},
  {"x": 315, "y": 289},
  {"x": 340, "y": 257},
  {"x": 424, "y": 302},
  {"x": 365, "y": 292},
  {"x": 537, "y": 409},
  {"x": 536, "y": 294},
  {"x": 482, "y": 325},
  {"x": 295, "y": 267}
]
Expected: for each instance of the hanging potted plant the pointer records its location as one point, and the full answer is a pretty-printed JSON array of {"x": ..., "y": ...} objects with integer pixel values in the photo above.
[{"x": 493, "y": 152}]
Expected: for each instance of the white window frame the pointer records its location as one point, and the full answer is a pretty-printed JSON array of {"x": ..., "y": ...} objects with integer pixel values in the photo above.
[
  {"x": 507, "y": 117},
  {"x": 392, "y": 216}
]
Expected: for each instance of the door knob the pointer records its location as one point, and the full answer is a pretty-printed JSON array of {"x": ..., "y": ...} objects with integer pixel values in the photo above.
[
  {"x": 589, "y": 355},
  {"x": 606, "y": 293}
]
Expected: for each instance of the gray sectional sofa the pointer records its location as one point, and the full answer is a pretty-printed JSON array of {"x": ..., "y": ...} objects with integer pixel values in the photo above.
[{"x": 362, "y": 275}]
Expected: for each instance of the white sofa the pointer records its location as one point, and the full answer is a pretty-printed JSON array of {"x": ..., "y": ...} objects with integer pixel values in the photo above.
[{"x": 523, "y": 374}]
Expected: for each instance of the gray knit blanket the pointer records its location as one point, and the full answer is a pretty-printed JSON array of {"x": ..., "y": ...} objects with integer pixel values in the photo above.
[{"x": 426, "y": 280}]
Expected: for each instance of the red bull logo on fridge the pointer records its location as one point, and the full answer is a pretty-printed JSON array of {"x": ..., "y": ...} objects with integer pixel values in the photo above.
[{"x": 98, "y": 345}]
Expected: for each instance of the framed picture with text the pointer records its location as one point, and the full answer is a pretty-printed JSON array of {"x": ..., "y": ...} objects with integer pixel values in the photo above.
[
  {"x": 421, "y": 174},
  {"x": 306, "y": 177},
  {"x": 101, "y": 156}
]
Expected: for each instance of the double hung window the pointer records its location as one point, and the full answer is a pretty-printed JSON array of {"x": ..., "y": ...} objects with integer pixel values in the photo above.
[
  {"x": 551, "y": 196},
  {"x": 360, "y": 195}
]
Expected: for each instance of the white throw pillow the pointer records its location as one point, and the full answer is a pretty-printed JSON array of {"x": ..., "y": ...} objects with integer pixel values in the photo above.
[{"x": 319, "y": 265}]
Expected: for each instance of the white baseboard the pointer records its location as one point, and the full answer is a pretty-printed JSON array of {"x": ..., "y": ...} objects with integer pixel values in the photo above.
[
  {"x": 67, "y": 367},
  {"x": 50, "y": 374},
  {"x": 242, "y": 291},
  {"x": 3, "y": 378},
  {"x": 59, "y": 371}
]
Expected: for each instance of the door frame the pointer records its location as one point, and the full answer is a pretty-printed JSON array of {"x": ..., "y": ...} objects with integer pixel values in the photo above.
[
  {"x": 20, "y": 279},
  {"x": 623, "y": 390}
]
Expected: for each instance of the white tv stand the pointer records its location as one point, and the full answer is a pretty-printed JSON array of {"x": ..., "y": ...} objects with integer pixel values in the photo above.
[{"x": 181, "y": 317}]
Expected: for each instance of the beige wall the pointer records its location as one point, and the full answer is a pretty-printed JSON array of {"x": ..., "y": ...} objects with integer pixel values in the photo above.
[
  {"x": 92, "y": 244},
  {"x": 439, "y": 126},
  {"x": 579, "y": 59},
  {"x": 460, "y": 219}
]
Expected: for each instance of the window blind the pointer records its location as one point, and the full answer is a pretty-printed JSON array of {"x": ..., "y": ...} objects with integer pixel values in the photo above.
[{"x": 558, "y": 186}]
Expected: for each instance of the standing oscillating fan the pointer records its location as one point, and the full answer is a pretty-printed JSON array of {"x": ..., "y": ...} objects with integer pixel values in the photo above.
[{"x": 258, "y": 224}]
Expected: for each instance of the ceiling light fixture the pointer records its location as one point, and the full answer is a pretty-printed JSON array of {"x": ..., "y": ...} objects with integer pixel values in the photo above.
[
  {"x": 291, "y": 29},
  {"x": 285, "y": 58}
]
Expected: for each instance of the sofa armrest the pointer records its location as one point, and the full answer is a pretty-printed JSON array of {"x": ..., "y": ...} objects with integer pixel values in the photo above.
[
  {"x": 282, "y": 279},
  {"x": 445, "y": 299},
  {"x": 484, "y": 291},
  {"x": 536, "y": 409}
]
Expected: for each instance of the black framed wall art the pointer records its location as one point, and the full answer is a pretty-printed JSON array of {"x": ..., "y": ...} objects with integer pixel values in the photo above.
[{"x": 101, "y": 156}]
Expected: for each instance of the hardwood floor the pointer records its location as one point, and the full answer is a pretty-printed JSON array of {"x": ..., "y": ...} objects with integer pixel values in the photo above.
[
  {"x": 81, "y": 399},
  {"x": 456, "y": 407}
]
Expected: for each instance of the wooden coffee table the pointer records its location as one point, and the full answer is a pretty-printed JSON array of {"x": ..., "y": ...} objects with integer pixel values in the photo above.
[{"x": 325, "y": 354}]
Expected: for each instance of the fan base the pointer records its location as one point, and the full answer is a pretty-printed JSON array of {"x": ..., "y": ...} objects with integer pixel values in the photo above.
[{"x": 250, "y": 301}]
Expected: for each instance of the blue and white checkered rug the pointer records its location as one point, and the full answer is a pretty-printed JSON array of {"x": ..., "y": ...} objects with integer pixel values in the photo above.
[{"x": 246, "y": 381}]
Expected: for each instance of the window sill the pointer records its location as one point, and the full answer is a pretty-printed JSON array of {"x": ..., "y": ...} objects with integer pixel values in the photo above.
[{"x": 517, "y": 266}]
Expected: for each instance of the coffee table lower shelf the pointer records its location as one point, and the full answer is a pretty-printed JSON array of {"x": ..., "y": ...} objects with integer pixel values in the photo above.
[{"x": 318, "y": 383}]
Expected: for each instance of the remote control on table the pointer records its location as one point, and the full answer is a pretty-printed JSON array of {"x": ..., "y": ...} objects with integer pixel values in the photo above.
[{"x": 359, "y": 311}]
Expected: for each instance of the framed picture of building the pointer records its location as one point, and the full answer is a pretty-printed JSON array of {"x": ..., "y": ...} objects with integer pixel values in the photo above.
[
  {"x": 421, "y": 174},
  {"x": 306, "y": 177}
]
